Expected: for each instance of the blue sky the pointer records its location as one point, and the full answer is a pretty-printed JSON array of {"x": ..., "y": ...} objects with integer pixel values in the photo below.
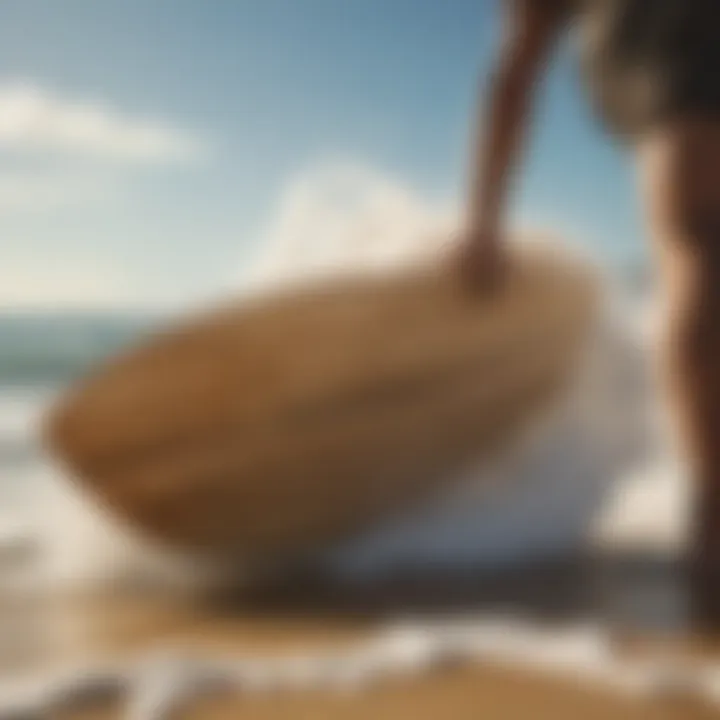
[{"x": 149, "y": 142}]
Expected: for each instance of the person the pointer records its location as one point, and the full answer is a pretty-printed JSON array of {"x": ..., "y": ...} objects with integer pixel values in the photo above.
[{"x": 652, "y": 68}]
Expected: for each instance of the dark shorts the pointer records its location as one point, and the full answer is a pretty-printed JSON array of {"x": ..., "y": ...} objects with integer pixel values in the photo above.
[{"x": 647, "y": 61}]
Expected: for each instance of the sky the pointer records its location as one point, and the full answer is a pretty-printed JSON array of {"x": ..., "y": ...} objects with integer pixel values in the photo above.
[{"x": 150, "y": 148}]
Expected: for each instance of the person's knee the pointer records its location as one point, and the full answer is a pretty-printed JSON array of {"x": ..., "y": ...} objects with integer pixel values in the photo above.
[
  {"x": 692, "y": 281},
  {"x": 699, "y": 234},
  {"x": 681, "y": 173}
]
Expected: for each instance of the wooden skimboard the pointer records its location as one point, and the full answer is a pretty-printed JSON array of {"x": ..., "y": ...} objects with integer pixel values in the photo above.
[{"x": 294, "y": 419}]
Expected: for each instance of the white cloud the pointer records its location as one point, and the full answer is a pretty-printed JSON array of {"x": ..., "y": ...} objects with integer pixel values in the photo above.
[
  {"x": 34, "y": 119},
  {"x": 345, "y": 215},
  {"x": 342, "y": 216},
  {"x": 35, "y": 192},
  {"x": 29, "y": 284},
  {"x": 335, "y": 216}
]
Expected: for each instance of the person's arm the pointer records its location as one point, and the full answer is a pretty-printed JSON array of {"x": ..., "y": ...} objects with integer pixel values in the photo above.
[{"x": 531, "y": 30}]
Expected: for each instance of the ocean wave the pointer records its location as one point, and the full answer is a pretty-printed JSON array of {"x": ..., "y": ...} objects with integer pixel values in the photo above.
[
  {"x": 20, "y": 413},
  {"x": 53, "y": 348}
]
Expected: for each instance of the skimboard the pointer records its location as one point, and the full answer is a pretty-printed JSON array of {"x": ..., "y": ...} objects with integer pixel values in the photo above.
[{"x": 286, "y": 421}]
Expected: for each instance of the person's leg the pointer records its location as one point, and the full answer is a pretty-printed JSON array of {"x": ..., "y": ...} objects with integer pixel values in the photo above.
[{"x": 680, "y": 168}]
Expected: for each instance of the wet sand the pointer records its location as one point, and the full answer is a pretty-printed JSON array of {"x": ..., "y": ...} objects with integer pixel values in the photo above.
[
  {"x": 460, "y": 695},
  {"x": 641, "y": 597}
]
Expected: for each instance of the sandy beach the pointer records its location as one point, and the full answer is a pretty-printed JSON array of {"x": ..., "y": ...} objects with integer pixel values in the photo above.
[{"x": 302, "y": 615}]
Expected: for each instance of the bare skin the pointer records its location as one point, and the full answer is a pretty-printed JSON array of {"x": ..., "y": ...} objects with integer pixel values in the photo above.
[
  {"x": 680, "y": 179},
  {"x": 530, "y": 35},
  {"x": 679, "y": 168}
]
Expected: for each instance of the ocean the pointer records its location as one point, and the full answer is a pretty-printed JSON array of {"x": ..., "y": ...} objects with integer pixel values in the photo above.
[{"x": 40, "y": 354}]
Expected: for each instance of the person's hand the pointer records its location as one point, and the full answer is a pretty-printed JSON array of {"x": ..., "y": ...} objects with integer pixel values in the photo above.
[{"x": 481, "y": 262}]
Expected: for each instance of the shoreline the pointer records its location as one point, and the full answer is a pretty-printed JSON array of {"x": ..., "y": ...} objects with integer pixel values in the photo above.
[{"x": 520, "y": 620}]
